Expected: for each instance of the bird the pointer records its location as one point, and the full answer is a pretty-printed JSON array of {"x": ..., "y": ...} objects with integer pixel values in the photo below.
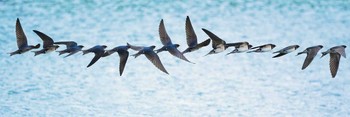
[
  {"x": 335, "y": 54},
  {"x": 22, "y": 43},
  {"x": 72, "y": 48},
  {"x": 150, "y": 55},
  {"x": 285, "y": 50},
  {"x": 240, "y": 47},
  {"x": 263, "y": 48},
  {"x": 168, "y": 45},
  {"x": 311, "y": 52},
  {"x": 99, "y": 51},
  {"x": 191, "y": 38},
  {"x": 123, "y": 55},
  {"x": 48, "y": 44},
  {"x": 218, "y": 44}
]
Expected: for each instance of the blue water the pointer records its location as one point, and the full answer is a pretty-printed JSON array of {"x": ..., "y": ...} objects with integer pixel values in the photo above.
[{"x": 217, "y": 85}]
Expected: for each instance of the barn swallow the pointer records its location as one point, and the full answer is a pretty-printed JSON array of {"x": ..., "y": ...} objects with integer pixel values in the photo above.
[
  {"x": 48, "y": 44},
  {"x": 168, "y": 45},
  {"x": 22, "y": 43},
  {"x": 335, "y": 54},
  {"x": 123, "y": 55},
  {"x": 72, "y": 47},
  {"x": 98, "y": 50},
  {"x": 150, "y": 55},
  {"x": 286, "y": 50},
  {"x": 191, "y": 38},
  {"x": 311, "y": 52},
  {"x": 263, "y": 48}
]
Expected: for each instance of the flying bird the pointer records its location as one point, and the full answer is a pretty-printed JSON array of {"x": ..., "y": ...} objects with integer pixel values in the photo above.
[
  {"x": 191, "y": 38},
  {"x": 98, "y": 50},
  {"x": 311, "y": 52},
  {"x": 218, "y": 44},
  {"x": 168, "y": 45},
  {"x": 150, "y": 55},
  {"x": 286, "y": 50},
  {"x": 123, "y": 55},
  {"x": 335, "y": 54},
  {"x": 48, "y": 45},
  {"x": 22, "y": 43},
  {"x": 72, "y": 48},
  {"x": 240, "y": 47},
  {"x": 263, "y": 48}
]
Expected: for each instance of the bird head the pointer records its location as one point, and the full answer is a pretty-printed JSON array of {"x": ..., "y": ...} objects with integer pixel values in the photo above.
[{"x": 273, "y": 46}]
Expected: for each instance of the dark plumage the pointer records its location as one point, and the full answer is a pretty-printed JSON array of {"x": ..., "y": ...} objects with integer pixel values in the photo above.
[
  {"x": 218, "y": 44},
  {"x": 167, "y": 44},
  {"x": 150, "y": 55},
  {"x": 311, "y": 53},
  {"x": 22, "y": 43},
  {"x": 335, "y": 54},
  {"x": 286, "y": 50},
  {"x": 123, "y": 55},
  {"x": 191, "y": 38},
  {"x": 72, "y": 47},
  {"x": 48, "y": 44},
  {"x": 98, "y": 50}
]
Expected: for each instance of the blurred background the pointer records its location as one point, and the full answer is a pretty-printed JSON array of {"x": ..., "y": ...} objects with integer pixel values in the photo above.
[{"x": 244, "y": 84}]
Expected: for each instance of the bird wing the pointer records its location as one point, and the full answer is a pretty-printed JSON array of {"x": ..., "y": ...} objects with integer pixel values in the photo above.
[
  {"x": 46, "y": 39},
  {"x": 21, "y": 37},
  {"x": 341, "y": 51},
  {"x": 153, "y": 57},
  {"x": 334, "y": 63},
  {"x": 164, "y": 37},
  {"x": 279, "y": 55},
  {"x": 178, "y": 54},
  {"x": 258, "y": 46},
  {"x": 309, "y": 57},
  {"x": 136, "y": 48},
  {"x": 98, "y": 54},
  {"x": 71, "y": 53},
  {"x": 204, "y": 43},
  {"x": 67, "y": 43},
  {"x": 216, "y": 39},
  {"x": 123, "y": 55},
  {"x": 191, "y": 36}
]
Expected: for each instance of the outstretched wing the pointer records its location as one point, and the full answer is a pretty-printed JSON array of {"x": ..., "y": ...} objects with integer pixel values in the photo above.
[
  {"x": 279, "y": 55},
  {"x": 204, "y": 43},
  {"x": 67, "y": 43},
  {"x": 46, "y": 39},
  {"x": 341, "y": 51},
  {"x": 334, "y": 63},
  {"x": 136, "y": 48},
  {"x": 175, "y": 52},
  {"x": 164, "y": 37},
  {"x": 123, "y": 55},
  {"x": 191, "y": 36},
  {"x": 153, "y": 57},
  {"x": 216, "y": 40},
  {"x": 309, "y": 57},
  {"x": 21, "y": 37}
]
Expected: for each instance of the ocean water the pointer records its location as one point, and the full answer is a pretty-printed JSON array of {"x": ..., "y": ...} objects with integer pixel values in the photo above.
[{"x": 216, "y": 85}]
